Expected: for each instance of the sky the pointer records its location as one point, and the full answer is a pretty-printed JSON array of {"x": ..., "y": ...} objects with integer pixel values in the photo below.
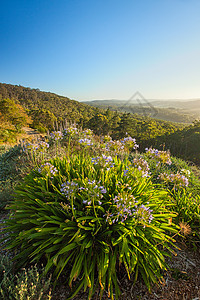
[{"x": 102, "y": 49}]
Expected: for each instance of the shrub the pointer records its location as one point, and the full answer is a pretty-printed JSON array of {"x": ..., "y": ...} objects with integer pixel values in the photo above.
[
  {"x": 171, "y": 172},
  {"x": 26, "y": 284},
  {"x": 13, "y": 166},
  {"x": 86, "y": 220},
  {"x": 188, "y": 212}
]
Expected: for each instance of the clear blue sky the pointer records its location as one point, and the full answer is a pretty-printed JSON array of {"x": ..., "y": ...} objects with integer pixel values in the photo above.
[{"x": 102, "y": 49}]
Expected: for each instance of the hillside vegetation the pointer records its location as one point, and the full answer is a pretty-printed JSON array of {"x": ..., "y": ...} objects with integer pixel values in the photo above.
[{"x": 49, "y": 111}]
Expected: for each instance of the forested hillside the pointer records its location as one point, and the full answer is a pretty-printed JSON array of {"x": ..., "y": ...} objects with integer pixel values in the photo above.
[
  {"x": 47, "y": 109},
  {"x": 44, "y": 107}
]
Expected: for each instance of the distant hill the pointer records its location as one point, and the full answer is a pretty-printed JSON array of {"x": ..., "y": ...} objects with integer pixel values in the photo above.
[
  {"x": 168, "y": 110},
  {"x": 176, "y": 103}
]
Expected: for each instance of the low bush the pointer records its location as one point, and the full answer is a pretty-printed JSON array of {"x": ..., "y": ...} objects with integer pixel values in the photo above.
[
  {"x": 26, "y": 284},
  {"x": 13, "y": 167}
]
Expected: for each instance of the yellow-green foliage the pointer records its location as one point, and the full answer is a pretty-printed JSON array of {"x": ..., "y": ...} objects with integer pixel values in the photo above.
[{"x": 12, "y": 118}]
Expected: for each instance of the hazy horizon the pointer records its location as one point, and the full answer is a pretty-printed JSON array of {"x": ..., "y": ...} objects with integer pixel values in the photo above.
[{"x": 185, "y": 100}]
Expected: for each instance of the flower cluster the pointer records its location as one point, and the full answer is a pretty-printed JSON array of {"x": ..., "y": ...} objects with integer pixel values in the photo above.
[
  {"x": 68, "y": 188},
  {"x": 129, "y": 143},
  {"x": 40, "y": 147},
  {"x": 96, "y": 160},
  {"x": 90, "y": 190},
  {"x": 56, "y": 135},
  {"x": 94, "y": 190},
  {"x": 104, "y": 161},
  {"x": 31, "y": 147},
  {"x": 86, "y": 142},
  {"x": 141, "y": 165},
  {"x": 48, "y": 169},
  {"x": 185, "y": 172},
  {"x": 87, "y": 133},
  {"x": 126, "y": 172},
  {"x": 95, "y": 187},
  {"x": 176, "y": 179},
  {"x": 115, "y": 147},
  {"x": 160, "y": 156},
  {"x": 119, "y": 146},
  {"x": 72, "y": 131},
  {"x": 43, "y": 145},
  {"x": 144, "y": 214},
  {"x": 125, "y": 207}
]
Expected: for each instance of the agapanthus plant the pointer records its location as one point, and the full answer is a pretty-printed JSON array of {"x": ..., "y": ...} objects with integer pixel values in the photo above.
[
  {"x": 39, "y": 146},
  {"x": 159, "y": 156},
  {"x": 88, "y": 221},
  {"x": 87, "y": 133},
  {"x": 36, "y": 150},
  {"x": 103, "y": 161},
  {"x": 71, "y": 131},
  {"x": 130, "y": 143},
  {"x": 56, "y": 135},
  {"x": 48, "y": 170},
  {"x": 86, "y": 142},
  {"x": 142, "y": 165},
  {"x": 176, "y": 180}
]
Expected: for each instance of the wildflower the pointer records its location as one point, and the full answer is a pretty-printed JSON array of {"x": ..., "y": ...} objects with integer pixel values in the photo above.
[
  {"x": 141, "y": 165},
  {"x": 87, "y": 133},
  {"x": 48, "y": 170},
  {"x": 56, "y": 135},
  {"x": 103, "y": 161},
  {"x": 86, "y": 142},
  {"x": 161, "y": 156},
  {"x": 185, "y": 172},
  {"x": 125, "y": 172},
  {"x": 68, "y": 188},
  {"x": 71, "y": 131},
  {"x": 31, "y": 147},
  {"x": 125, "y": 207},
  {"x": 95, "y": 189},
  {"x": 43, "y": 145},
  {"x": 144, "y": 214},
  {"x": 177, "y": 179},
  {"x": 129, "y": 142}
]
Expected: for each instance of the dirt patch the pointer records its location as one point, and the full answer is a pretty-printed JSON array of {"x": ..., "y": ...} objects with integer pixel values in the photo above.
[{"x": 31, "y": 134}]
